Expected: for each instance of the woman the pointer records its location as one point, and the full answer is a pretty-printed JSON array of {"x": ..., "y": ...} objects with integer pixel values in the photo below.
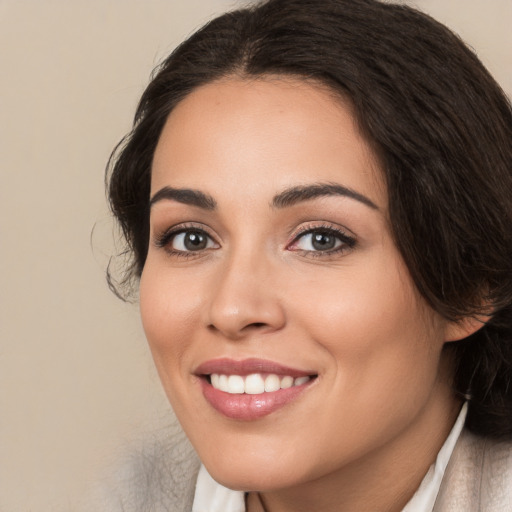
[{"x": 316, "y": 195}]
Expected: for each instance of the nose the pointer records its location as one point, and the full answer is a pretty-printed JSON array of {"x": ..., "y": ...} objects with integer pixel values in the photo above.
[{"x": 244, "y": 300}]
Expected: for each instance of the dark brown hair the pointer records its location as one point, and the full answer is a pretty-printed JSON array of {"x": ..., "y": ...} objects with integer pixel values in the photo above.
[{"x": 436, "y": 119}]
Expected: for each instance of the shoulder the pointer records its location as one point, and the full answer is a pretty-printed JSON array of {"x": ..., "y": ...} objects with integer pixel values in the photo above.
[
  {"x": 157, "y": 475},
  {"x": 478, "y": 476}
]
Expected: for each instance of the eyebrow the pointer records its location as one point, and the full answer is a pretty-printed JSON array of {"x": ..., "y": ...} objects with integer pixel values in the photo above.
[
  {"x": 186, "y": 196},
  {"x": 298, "y": 194},
  {"x": 289, "y": 197}
]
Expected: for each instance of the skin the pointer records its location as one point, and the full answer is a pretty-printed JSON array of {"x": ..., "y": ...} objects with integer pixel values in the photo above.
[{"x": 364, "y": 433}]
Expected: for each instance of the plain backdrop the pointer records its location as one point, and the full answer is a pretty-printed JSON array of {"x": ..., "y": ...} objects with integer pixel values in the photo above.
[{"x": 76, "y": 379}]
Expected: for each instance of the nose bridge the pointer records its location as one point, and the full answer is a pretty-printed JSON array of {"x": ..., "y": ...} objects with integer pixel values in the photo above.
[{"x": 243, "y": 298}]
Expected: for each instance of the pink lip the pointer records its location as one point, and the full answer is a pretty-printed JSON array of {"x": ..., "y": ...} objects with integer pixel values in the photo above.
[
  {"x": 243, "y": 406},
  {"x": 248, "y": 366}
]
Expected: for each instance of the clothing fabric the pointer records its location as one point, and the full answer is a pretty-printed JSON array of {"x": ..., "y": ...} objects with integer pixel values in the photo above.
[
  {"x": 211, "y": 496},
  {"x": 478, "y": 477}
]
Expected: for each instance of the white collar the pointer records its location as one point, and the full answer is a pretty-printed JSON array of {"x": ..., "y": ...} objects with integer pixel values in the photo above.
[
  {"x": 210, "y": 496},
  {"x": 426, "y": 494}
]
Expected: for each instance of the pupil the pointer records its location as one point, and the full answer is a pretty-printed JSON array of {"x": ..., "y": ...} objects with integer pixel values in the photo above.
[
  {"x": 195, "y": 241},
  {"x": 323, "y": 241}
]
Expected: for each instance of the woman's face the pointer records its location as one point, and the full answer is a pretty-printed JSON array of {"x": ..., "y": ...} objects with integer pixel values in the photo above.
[{"x": 271, "y": 265}]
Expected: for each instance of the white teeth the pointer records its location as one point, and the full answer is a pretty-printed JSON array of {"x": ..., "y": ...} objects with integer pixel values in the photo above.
[
  {"x": 255, "y": 383},
  {"x": 286, "y": 382},
  {"x": 235, "y": 384},
  {"x": 300, "y": 380},
  {"x": 272, "y": 383},
  {"x": 223, "y": 383}
]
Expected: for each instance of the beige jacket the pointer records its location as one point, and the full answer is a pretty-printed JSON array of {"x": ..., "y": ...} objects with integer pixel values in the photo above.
[
  {"x": 162, "y": 479},
  {"x": 478, "y": 477}
]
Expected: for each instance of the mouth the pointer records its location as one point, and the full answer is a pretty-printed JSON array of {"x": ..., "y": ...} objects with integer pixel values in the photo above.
[{"x": 251, "y": 389}]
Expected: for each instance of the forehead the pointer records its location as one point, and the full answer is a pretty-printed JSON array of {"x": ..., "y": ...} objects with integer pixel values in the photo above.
[{"x": 270, "y": 133}]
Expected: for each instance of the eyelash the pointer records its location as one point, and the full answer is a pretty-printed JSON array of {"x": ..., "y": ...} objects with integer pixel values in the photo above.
[{"x": 348, "y": 242}]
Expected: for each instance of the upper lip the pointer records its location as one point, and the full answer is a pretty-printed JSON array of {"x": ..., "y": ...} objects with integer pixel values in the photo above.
[{"x": 247, "y": 366}]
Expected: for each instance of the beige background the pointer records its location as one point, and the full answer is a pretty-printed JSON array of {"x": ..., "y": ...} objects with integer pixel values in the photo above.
[{"x": 76, "y": 380}]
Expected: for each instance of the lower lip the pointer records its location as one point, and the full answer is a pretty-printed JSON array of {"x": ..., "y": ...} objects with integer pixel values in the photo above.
[{"x": 250, "y": 407}]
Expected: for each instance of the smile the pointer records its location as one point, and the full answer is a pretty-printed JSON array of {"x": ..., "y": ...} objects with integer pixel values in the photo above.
[{"x": 251, "y": 389}]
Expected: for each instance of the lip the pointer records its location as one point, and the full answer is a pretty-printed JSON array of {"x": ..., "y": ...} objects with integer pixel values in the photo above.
[
  {"x": 247, "y": 366},
  {"x": 245, "y": 407}
]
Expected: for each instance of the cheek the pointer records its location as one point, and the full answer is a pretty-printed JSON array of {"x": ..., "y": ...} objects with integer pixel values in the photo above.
[
  {"x": 169, "y": 304},
  {"x": 376, "y": 330},
  {"x": 383, "y": 346},
  {"x": 357, "y": 304}
]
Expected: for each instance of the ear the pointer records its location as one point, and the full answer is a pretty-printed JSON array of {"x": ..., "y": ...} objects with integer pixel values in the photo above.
[{"x": 460, "y": 329}]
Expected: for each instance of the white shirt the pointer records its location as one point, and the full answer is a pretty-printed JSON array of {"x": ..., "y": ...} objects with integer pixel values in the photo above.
[{"x": 210, "y": 496}]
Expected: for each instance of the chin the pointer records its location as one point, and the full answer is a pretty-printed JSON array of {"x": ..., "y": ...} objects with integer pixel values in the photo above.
[
  {"x": 251, "y": 480},
  {"x": 247, "y": 474}
]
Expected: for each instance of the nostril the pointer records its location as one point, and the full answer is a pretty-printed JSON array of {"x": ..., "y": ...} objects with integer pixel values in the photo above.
[
  {"x": 237, "y": 332},
  {"x": 256, "y": 325}
]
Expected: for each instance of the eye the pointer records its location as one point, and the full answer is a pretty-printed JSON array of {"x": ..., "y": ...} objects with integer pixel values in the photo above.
[
  {"x": 318, "y": 241},
  {"x": 184, "y": 241},
  {"x": 322, "y": 240},
  {"x": 191, "y": 240}
]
